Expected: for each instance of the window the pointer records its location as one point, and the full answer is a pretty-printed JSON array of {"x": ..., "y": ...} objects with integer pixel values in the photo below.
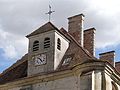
[
  {"x": 47, "y": 42},
  {"x": 58, "y": 44},
  {"x": 36, "y": 46}
]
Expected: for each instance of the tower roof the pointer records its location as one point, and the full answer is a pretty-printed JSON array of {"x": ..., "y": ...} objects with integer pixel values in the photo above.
[{"x": 46, "y": 27}]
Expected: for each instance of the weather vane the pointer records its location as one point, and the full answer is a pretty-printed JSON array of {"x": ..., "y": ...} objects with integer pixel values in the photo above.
[{"x": 50, "y": 12}]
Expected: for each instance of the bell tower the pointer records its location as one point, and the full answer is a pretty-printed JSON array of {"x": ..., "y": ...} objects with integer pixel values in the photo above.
[{"x": 47, "y": 46}]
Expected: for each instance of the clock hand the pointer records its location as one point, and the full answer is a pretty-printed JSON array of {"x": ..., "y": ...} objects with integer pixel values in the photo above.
[{"x": 40, "y": 59}]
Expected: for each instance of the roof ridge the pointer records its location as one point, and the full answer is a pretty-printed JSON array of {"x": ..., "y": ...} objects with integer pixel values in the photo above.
[{"x": 53, "y": 25}]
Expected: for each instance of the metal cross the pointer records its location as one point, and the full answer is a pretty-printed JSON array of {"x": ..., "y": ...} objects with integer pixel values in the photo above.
[{"x": 50, "y": 12}]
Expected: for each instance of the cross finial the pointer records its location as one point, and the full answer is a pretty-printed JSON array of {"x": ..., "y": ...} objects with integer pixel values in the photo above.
[{"x": 50, "y": 12}]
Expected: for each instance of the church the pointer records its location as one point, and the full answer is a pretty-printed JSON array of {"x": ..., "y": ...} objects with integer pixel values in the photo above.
[{"x": 60, "y": 59}]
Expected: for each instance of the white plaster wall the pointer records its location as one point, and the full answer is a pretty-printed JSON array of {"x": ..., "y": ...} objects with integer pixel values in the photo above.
[{"x": 60, "y": 53}]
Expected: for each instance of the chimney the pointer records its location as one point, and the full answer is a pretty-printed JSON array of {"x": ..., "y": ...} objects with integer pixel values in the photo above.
[
  {"x": 108, "y": 56},
  {"x": 89, "y": 38},
  {"x": 75, "y": 27}
]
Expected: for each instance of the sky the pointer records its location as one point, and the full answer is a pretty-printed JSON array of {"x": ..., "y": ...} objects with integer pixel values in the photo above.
[{"x": 20, "y": 17}]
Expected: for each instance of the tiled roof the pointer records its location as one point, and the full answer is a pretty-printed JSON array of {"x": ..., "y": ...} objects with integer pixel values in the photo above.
[
  {"x": 117, "y": 66},
  {"x": 19, "y": 69},
  {"x": 77, "y": 53},
  {"x": 16, "y": 71},
  {"x": 46, "y": 27}
]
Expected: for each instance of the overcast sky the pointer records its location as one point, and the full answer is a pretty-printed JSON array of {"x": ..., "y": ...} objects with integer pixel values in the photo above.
[{"x": 20, "y": 17}]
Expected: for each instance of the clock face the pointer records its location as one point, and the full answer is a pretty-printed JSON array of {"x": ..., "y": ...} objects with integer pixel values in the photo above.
[{"x": 40, "y": 59}]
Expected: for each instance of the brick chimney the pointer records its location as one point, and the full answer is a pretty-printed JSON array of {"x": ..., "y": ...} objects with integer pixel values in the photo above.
[
  {"x": 75, "y": 27},
  {"x": 89, "y": 38},
  {"x": 108, "y": 56}
]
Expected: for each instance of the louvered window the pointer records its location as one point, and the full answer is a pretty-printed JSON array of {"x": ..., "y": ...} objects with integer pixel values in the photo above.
[
  {"x": 47, "y": 42},
  {"x": 58, "y": 44},
  {"x": 36, "y": 46}
]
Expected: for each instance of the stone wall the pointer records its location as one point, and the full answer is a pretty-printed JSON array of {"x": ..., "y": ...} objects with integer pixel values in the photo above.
[{"x": 49, "y": 66}]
